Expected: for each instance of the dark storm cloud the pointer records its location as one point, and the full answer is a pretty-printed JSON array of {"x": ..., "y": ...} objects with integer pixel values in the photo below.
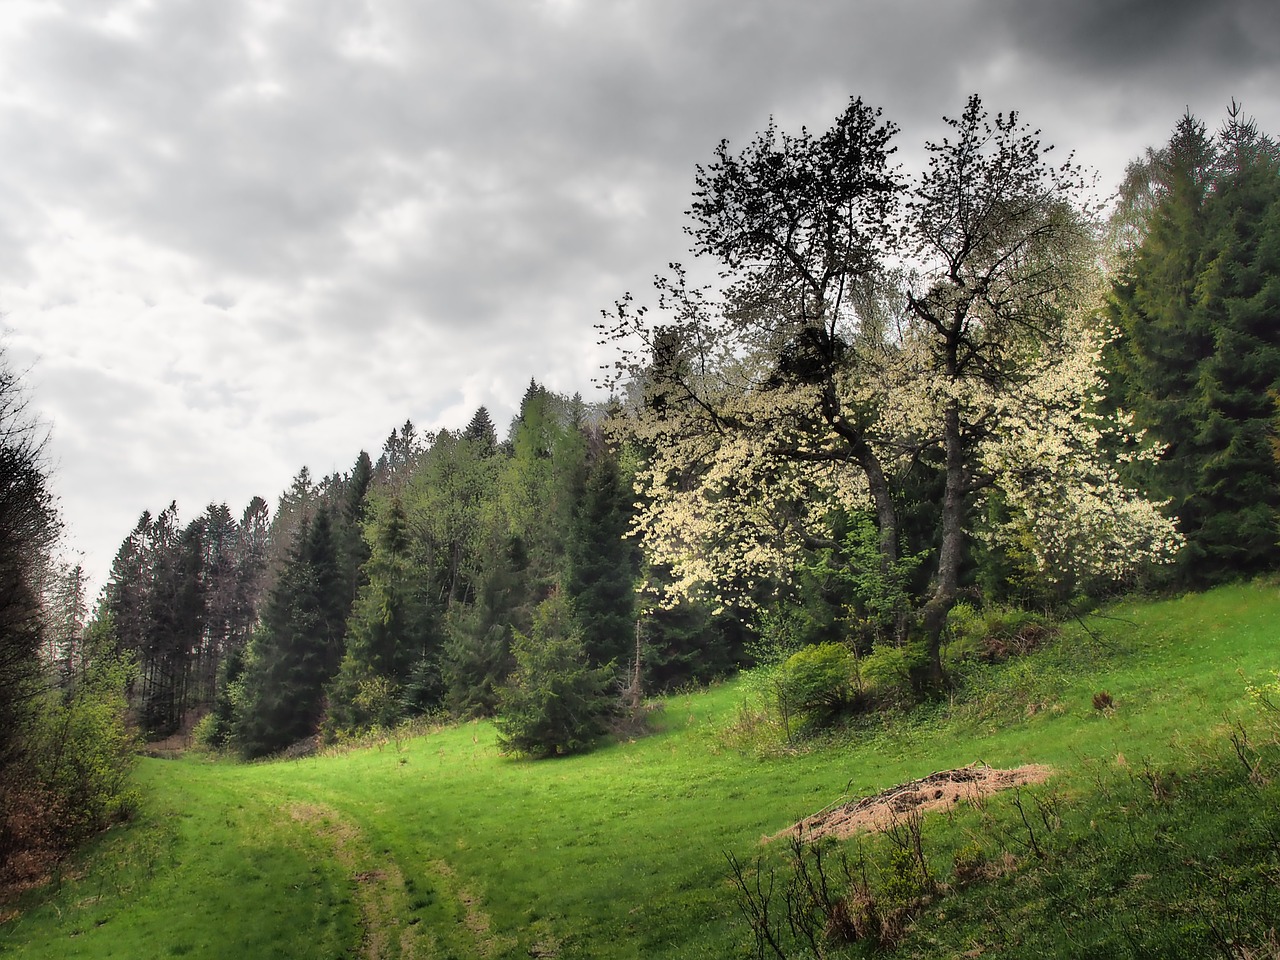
[{"x": 1128, "y": 37}]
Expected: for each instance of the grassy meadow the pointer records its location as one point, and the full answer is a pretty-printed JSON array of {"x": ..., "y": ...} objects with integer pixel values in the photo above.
[{"x": 1157, "y": 835}]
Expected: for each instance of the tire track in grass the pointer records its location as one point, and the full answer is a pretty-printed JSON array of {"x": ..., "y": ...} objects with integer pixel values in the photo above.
[
  {"x": 477, "y": 922},
  {"x": 383, "y": 901},
  {"x": 379, "y": 889}
]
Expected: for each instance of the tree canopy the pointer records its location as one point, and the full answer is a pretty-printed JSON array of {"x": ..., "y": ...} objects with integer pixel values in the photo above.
[{"x": 871, "y": 326}]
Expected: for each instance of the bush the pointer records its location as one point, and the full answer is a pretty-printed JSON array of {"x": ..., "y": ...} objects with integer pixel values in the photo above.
[
  {"x": 85, "y": 754},
  {"x": 358, "y": 701},
  {"x": 815, "y": 686},
  {"x": 887, "y": 673},
  {"x": 207, "y": 734},
  {"x": 995, "y": 633},
  {"x": 74, "y": 778}
]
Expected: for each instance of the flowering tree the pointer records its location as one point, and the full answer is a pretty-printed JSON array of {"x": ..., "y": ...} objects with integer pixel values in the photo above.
[{"x": 870, "y": 325}]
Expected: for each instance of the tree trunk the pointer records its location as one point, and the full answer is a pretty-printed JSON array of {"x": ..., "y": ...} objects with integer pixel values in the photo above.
[
  {"x": 886, "y": 512},
  {"x": 933, "y": 617}
]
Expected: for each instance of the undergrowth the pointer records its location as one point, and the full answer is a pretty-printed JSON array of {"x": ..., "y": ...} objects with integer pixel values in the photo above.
[{"x": 1178, "y": 857}]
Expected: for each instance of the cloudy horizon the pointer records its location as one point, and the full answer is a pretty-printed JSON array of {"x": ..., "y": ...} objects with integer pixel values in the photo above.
[{"x": 244, "y": 237}]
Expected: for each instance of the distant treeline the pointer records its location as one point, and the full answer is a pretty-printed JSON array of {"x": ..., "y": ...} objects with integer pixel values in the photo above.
[{"x": 398, "y": 588}]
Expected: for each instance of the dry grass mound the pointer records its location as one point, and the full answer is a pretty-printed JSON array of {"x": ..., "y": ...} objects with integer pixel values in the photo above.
[{"x": 934, "y": 792}]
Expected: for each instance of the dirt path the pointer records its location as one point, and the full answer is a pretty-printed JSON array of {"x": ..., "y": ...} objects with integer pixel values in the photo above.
[
  {"x": 934, "y": 792},
  {"x": 380, "y": 893},
  {"x": 383, "y": 901}
]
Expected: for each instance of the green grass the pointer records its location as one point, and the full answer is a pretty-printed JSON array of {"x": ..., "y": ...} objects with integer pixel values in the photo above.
[{"x": 438, "y": 847}]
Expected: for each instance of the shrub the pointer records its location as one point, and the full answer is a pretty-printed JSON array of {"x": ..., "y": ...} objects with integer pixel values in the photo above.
[
  {"x": 206, "y": 733},
  {"x": 85, "y": 754},
  {"x": 815, "y": 686},
  {"x": 887, "y": 673},
  {"x": 994, "y": 633}
]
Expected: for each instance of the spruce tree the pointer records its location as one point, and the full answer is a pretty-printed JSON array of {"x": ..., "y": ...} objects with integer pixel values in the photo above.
[
  {"x": 352, "y": 549},
  {"x": 296, "y": 649},
  {"x": 481, "y": 432},
  {"x": 554, "y": 703},
  {"x": 603, "y": 564},
  {"x": 1198, "y": 352},
  {"x": 392, "y": 631}
]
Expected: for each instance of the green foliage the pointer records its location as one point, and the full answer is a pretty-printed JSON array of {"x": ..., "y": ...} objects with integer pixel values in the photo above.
[
  {"x": 216, "y": 727},
  {"x": 888, "y": 674},
  {"x": 689, "y": 644},
  {"x": 75, "y": 776},
  {"x": 85, "y": 752},
  {"x": 875, "y": 592},
  {"x": 1197, "y": 359},
  {"x": 994, "y": 632},
  {"x": 423, "y": 691},
  {"x": 554, "y": 703},
  {"x": 540, "y": 486},
  {"x": 477, "y": 653},
  {"x": 393, "y": 626},
  {"x": 816, "y": 686},
  {"x": 295, "y": 651},
  {"x": 603, "y": 566}
]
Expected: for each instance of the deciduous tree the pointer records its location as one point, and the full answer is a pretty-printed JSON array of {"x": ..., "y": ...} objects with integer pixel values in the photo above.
[{"x": 870, "y": 326}]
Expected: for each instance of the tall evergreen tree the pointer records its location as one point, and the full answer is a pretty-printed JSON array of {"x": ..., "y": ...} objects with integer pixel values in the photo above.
[
  {"x": 1198, "y": 354},
  {"x": 539, "y": 488},
  {"x": 353, "y": 551},
  {"x": 603, "y": 565},
  {"x": 481, "y": 432},
  {"x": 478, "y": 650},
  {"x": 296, "y": 649},
  {"x": 393, "y": 629},
  {"x": 28, "y": 530},
  {"x": 176, "y": 625}
]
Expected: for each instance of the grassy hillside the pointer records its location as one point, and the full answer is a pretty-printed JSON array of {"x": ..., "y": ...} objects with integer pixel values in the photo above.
[{"x": 437, "y": 847}]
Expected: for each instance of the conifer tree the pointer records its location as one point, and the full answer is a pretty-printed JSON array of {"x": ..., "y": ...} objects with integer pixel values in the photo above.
[
  {"x": 296, "y": 649},
  {"x": 28, "y": 530},
  {"x": 602, "y": 564},
  {"x": 393, "y": 629},
  {"x": 1198, "y": 352},
  {"x": 481, "y": 432},
  {"x": 478, "y": 650},
  {"x": 554, "y": 703},
  {"x": 353, "y": 551}
]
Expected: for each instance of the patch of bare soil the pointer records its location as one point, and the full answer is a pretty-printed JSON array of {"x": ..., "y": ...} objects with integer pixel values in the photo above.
[{"x": 934, "y": 792}]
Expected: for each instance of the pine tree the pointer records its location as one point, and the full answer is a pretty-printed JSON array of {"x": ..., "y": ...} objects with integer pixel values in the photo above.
[
  {"x": 392, "y": 630},
  {"x": 602, "y": 564},
  {"x": 554, "y": 703},
  {"x": 296, "y": 649},
  {"x": 481, "y": 432},
  {"x": 1199, "y": 351},
  {"x": 478, "y": 650},
  {"x": 353, "y": 551},
  {"x": 28, "y": 530}
]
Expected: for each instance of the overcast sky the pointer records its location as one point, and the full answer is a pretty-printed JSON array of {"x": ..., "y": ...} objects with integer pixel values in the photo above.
[{"x": 241, "y": 236}]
